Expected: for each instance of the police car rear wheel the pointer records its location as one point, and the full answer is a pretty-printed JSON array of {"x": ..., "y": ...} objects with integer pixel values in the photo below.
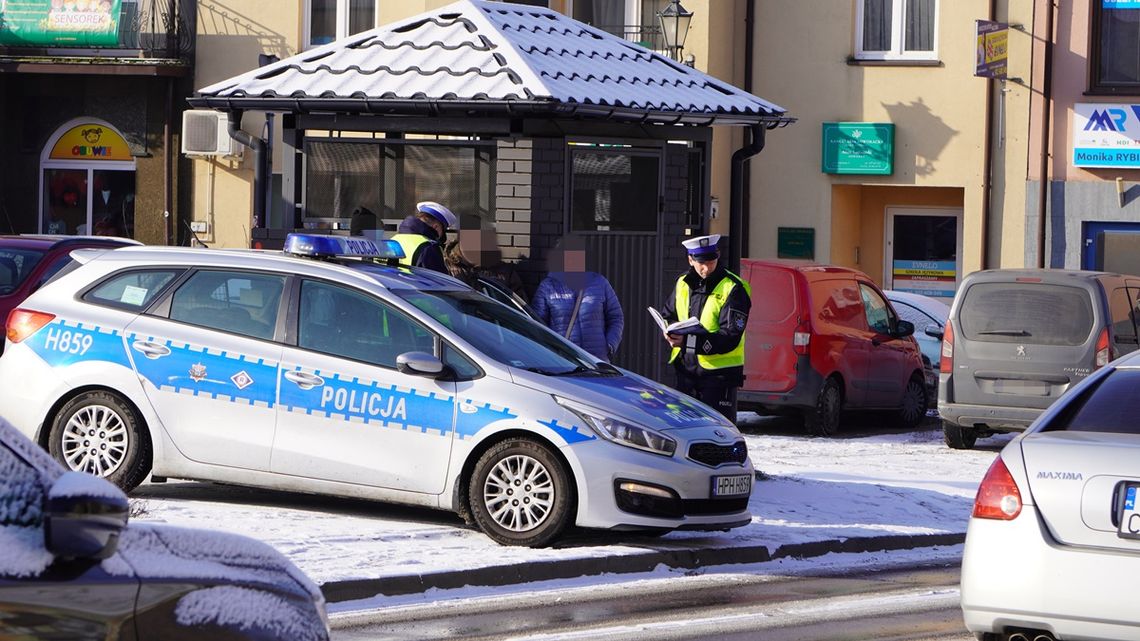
[
  {"x": 99, "y": 433},
  {"x": 520, "y": 493}
]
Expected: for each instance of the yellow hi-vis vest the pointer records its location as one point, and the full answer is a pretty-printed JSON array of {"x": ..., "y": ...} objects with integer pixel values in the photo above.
[
  {"x": 710, "y": 320},
  {"x": 409, "y": 243}
]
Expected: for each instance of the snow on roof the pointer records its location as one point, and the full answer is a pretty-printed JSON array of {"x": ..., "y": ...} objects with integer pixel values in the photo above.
[{"x": 474, "y": 54}]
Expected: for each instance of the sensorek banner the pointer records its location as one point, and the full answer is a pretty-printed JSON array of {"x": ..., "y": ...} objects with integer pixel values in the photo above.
[
  {"x": 59, "y": 23},
  {"x": 1106, "y": 135}
]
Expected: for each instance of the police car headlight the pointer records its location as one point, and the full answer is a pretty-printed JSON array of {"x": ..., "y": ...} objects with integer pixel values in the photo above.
[{"x": 624, "y": 433}]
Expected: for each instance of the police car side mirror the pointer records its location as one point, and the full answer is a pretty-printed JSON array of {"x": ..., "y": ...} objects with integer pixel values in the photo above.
[
  {"x": 934, "y": 331},
  {"x": 419, "y": 364}
]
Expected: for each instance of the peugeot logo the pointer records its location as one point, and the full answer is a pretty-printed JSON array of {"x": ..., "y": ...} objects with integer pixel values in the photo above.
[
  {"x": 1021, "y": 350},
  {"x": 719, "y": 434}
]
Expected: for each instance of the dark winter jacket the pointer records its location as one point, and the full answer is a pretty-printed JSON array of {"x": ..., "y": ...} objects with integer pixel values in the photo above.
[
  {"x": 599, "y": 324},
  {"x": 430, "y": 254}
]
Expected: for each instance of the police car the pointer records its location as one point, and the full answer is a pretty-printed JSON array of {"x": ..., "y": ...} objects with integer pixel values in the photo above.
[{"x": 329, "y": 368}]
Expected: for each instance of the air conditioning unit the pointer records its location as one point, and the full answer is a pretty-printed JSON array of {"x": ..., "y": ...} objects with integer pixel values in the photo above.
[{"x": 206, "y": 132}]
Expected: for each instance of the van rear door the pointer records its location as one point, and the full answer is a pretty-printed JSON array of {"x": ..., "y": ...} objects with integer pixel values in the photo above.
[
  {"x": 1023, "y": 343},
  {"x": 770, "y": 360}
]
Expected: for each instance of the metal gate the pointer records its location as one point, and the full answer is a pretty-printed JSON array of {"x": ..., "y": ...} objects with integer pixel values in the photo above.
[{"x": 615, "y": 197}]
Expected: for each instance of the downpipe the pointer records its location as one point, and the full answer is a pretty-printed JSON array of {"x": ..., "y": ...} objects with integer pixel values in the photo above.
[{"x": 259, "y": 168}]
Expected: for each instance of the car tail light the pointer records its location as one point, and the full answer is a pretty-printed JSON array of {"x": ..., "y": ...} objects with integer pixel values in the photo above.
[
  {"x": 946, "y": 363},
  {"x": 998, "y": 496},
  {"x": 801, "y": 339},
  {"x": 22, "y": 323},
  {"x": 1103, "y": 349}
]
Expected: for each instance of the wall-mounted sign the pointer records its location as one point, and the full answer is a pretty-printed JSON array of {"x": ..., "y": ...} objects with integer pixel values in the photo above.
[
  {"x": 90, "y": 142},
  {"x": 60, "y": 23},
  {"x": 935, "y": 278},
  {"x": 1121, "y": 4},
  {"x": 795, "y": 242},
  {"x": 993, "y": 49},
  {"x": 1106, "y": 135},
  {"x": 858, "y": 148}
]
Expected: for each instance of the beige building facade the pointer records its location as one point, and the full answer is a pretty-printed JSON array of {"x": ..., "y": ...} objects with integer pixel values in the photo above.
[{"x": 940, "y": 209}]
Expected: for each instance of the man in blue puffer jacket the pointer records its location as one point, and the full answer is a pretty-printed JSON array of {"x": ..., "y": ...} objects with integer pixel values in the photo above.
[{"x": 599, "y": 321}]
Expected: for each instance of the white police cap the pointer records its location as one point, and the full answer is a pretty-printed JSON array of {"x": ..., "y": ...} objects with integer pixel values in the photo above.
[
  {"x": 438, "y": 212},
  {"x": 703, "y": 246}
]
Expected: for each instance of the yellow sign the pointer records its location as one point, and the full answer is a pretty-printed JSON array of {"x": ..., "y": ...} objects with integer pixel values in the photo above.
[{"x": 90, "y": 142}]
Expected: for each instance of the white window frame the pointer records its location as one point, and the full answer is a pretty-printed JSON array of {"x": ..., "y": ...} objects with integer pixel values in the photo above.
[
  {"x": 341, "y": 21},
  {"x": 898, "y": 35}
]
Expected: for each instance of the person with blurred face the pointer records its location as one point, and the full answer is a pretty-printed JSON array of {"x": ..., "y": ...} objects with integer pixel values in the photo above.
[
  {"x": 579, "y": 304},
  {"x": 709, "y": 358}
]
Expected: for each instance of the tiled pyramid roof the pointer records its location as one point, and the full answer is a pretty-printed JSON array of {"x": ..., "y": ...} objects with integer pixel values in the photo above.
[{"x": 475, "y": 57}]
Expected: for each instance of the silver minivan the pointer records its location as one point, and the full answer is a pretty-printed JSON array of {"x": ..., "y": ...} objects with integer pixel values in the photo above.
[{"x": 1017, "y": 339}]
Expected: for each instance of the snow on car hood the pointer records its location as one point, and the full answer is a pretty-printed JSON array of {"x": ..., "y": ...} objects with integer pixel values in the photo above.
[
  {"x": 256, "y": 613},
  {"x": 163, "y": 552},
  {"x": 22, "y": 552},
  {"x": 629, "y": 396}
]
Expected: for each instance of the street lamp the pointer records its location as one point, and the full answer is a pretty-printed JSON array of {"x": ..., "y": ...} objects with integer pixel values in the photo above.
[{"x": 674, "y": 27}]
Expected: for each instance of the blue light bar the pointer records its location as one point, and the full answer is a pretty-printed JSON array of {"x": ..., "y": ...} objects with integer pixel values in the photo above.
[{"x": 321, "y": 245}]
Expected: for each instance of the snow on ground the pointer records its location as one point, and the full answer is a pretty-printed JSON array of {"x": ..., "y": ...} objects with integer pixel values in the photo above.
[{"x": 815, "y": 489}]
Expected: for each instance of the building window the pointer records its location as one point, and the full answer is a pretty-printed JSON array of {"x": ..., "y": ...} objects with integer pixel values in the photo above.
[
  {"x": 389, "y": 177},
  {"x": 1116, "y": 47},
  {"x": 614, "y": 191},
  {"x": 329, "y": 20},
  {"x": 897, "y": 30}
]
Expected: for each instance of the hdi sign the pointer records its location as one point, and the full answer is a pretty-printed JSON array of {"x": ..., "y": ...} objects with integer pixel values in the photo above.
[{"x": 1106, "y": 135}]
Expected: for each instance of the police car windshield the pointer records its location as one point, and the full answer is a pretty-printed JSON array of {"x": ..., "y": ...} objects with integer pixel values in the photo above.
[{"x": 502, "y": 333}]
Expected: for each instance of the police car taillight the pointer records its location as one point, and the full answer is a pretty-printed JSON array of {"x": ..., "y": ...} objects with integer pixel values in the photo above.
[
  {"x": 326, "y": 246},
  {"x": 22, "y": 323}
]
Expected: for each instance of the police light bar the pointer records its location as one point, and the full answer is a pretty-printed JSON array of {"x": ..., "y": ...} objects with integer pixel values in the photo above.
[{"x": 320, "y": 245}]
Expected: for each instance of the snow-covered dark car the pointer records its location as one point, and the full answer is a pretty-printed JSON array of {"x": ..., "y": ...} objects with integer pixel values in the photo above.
[{"x": 71, "y": 567}]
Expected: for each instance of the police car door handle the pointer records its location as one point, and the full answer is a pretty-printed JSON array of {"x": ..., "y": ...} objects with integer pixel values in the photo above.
[
  {"x": 304, "y": 380},
  {"x": 151, "y": 350}
]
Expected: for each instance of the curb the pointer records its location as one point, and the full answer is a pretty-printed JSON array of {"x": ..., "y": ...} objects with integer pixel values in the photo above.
[{"x": 682, "y": 559}]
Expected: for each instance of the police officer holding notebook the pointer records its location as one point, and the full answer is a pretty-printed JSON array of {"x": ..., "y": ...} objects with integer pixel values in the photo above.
[{"x": 709, "y": 358}]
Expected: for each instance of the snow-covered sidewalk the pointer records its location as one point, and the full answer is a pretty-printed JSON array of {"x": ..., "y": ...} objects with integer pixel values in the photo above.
[{"x": 816, "y": 489}]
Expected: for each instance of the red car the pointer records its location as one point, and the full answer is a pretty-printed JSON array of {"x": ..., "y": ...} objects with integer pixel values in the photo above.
[
  {"x": 823, "y": 339},
  {"x": 28, "y": 261}
]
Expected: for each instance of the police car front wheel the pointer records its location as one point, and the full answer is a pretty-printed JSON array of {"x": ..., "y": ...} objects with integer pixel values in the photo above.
[
  {"x": 520, "y": 493},
  {"x": 100, "y": 433}
]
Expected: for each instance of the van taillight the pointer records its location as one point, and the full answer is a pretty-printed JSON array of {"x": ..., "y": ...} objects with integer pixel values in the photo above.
[
  {"x": 1103, "y": 349},
  {"x": 998, "y": 496},
  {"x": 22, "y": 323},
  {"x": 801, "y": 339},
  {"x": 946, "y": 363}
]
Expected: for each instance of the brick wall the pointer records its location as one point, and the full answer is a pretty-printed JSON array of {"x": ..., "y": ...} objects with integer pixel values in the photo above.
[{"x": 529, "y": 195}]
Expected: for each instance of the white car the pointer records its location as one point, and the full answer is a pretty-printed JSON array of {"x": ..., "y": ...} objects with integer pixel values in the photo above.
[
  {"x": 328, "y": 368},
  {"x": 1054, "y": 539}
]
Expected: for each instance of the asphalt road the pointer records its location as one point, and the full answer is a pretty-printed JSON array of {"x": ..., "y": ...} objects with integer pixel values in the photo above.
[{"x": 914, "y": 604}]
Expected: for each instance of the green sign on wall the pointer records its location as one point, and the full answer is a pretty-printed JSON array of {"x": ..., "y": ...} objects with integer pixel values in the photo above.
[
  {"x": 59, "y": 23},
  {"x": 795, "y": 242},
  {"x": 858, "y": 148}
]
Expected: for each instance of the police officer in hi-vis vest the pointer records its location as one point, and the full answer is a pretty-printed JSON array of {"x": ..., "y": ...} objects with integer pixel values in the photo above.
[
  {"x": 709, "y": 358},
  {"x": 422, "y": 235}
]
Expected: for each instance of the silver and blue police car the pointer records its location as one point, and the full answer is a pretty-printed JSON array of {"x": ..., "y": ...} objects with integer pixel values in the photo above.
[{"x": 329, "y": 368}]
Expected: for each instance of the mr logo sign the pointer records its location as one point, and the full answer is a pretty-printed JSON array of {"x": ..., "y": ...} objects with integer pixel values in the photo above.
[{"x": 1106, "y": 135}]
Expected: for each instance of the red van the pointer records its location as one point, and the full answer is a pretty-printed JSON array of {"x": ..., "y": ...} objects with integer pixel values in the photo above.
[{"x": 822, "y": 340}]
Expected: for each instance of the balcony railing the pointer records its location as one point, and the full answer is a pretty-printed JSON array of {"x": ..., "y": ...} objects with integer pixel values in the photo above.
[
  {"x": 648, "y": 36},
  {"x": 162, "y": 29},
  {"x": 159, "y": 28}
]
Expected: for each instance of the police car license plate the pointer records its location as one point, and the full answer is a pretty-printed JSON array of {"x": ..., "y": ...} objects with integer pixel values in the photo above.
[
  {"x": 1128, "y": 512},
  {"x": 735, "y": 485}
]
